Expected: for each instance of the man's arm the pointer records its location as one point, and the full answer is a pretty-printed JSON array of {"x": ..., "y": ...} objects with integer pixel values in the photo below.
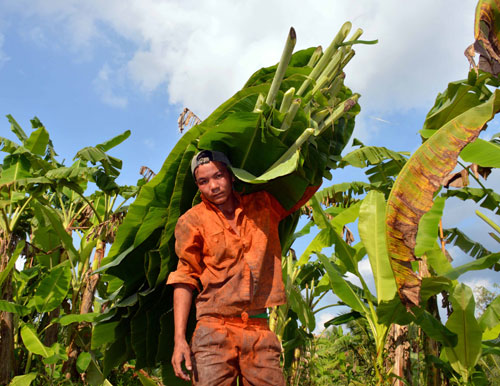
[{"x": 183, "y": 295}]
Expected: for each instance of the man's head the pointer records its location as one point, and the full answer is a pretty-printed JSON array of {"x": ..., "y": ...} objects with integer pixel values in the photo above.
[{"x": 212, "y": 176}]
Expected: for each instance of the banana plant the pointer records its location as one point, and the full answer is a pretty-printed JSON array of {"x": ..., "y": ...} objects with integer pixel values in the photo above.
[
  {"x": 44, "y": 206},
  {"x": 457, "y": 118},
  {"x": 282, "y": 131}
]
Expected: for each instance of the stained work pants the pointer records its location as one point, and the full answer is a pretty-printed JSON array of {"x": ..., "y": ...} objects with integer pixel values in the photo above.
[{"x": 227, "y": 348}]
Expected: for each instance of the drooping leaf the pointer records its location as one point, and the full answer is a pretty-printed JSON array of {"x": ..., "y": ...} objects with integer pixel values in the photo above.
[
  {"x": 12, "y": 261},
  {"x": 341, "y": 287},
  {"x": 490, "y": 320},
  {"x": 328, "y": 237},
  {"x": 371, "y": 155},
  {"x": 342, "y": 319},
  {"x": 16, "y": 129},
  {"x": 464, "y": 356},
  {"x": 456, "y": 237},
  {"x": 38, "y": 141},
  {"x": 113, "y": 142},
  {"x": 482, "y": 153},
  {"x": 23, "y": 380},
  {"x": 371, "y": 228},
  {"x": 33, "y": 343},
  {"x": 434, "y": 329},
  {"x": 15, "y": 167},
  {"x": 66, "y": 320},
  {"x": 13, "y": 307},
  {"x": 413, "y": 191},
  {"x": 486, "y": 198},
  {"x": 479, "y": 264},
  {"x": 57, "y": 225},
  {"x": 53, "y": 288},
  {"x": 486, "y": 34},
  {"x": 83, "y": 361},
  {"x": 301, "y": 308}
]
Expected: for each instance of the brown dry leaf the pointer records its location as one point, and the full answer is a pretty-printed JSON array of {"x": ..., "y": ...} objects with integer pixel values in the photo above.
[
  {"x": 456, "y": 180},
  {"x": 187, "y": 119},
  {"x": 147, "y": 173},
  {"x": 480, "y": 171}
]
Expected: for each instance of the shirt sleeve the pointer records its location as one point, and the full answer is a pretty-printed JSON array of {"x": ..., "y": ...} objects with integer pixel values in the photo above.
[
  {"x": 282, "y": 212},
  {"x": 188, "y": 247}
]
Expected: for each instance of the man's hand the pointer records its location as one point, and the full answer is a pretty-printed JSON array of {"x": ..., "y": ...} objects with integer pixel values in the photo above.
[
  {"x": 181, "y": 353},
  {"x": 183, "y": 295}
]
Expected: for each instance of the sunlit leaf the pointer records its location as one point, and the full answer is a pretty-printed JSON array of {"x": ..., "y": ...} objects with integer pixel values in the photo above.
[
  {"x": 33, "y": 343},
  {"x": 428, "y": 227},
  {"x": 23, "y": 380},
  {"x": 464, "y": 356},
  {"x": 53, "y": 288},
  {"x": 371, "y": 228},
  {"x": 412, "y": 193}
]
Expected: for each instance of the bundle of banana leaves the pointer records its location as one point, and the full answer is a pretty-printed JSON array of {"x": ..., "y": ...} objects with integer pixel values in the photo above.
[{"x": 283, "y": 131}]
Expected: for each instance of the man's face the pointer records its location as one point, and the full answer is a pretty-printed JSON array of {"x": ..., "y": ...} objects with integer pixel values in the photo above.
[{"x": 214, "y": 181}]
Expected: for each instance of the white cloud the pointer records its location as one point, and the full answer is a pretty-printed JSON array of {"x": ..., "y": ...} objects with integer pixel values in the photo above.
[
  {"x": 321, "y": 320},
  {"x": 3, "y": 56},
  {"x": 203, "y": 52},
  {"x": 104, "y": 86}
]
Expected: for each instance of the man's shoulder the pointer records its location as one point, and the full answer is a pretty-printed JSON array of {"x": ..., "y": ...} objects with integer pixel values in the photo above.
[{"x": 194, "y": 211}]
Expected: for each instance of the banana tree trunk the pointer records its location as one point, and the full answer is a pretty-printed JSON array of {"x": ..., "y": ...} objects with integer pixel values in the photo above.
[
  {"x": 6, "y": 318},
  {"x": 6, "y": 324},
  {"x": 431, "y": 346},
  {"x": 91, "y": 281},
  {"x": 398, "y": 348}
]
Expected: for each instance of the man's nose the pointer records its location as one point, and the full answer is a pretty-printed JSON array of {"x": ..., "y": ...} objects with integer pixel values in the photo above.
[{"x": 214, "y": 185}]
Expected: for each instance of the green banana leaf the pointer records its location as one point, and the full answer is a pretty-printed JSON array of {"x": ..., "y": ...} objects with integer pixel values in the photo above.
[
  {"x": 490, "y": 321},
  {"x": 464, "y": 356},
  {"x": 483, "y": 153},
  {"x": 371, "y": 228},
  {"x": 270, "y": 147},
  {"x": 33, "y": 343},
  {"x": 428, "y": 227}
]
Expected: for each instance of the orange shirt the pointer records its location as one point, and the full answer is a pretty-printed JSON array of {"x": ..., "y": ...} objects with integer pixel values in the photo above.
[{"x": 237, "y": 271}]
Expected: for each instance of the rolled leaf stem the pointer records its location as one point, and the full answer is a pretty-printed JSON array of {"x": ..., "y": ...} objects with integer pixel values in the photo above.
[
  {"x": 355, "y": 36},
  {"x": 287, "y": 100},
  {"x": 258, "y": 104},
  {"x": 339, "y": 111},
  {"x": 325, "y": 59},
  {"x": 298, "y": 143},
  {"x": 347, "y": 58},
  {"x": 282, "y": 66},
  {"x": 325, "y": 76},
  {"x": 315, "y": 56},
  {"x": 292, "y": 111}
]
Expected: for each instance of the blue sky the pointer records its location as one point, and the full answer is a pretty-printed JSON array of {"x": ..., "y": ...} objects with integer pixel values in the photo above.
[{"x": 91, "y": 69}]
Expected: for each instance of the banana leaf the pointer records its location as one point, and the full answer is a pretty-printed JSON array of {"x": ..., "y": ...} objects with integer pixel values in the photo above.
[
  {"x": 273, "y": 144},
  {"x": 413, "y": 190}
]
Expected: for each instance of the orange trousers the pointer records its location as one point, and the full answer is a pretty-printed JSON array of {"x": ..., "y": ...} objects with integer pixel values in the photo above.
[{"x": 225, "y": 348}]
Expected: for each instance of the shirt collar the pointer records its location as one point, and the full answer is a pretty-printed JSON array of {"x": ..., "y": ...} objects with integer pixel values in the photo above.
[{"x": 211, "y": 205}]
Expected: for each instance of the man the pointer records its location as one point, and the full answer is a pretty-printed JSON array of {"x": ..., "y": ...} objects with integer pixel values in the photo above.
[{"x": 229, "y": 250}]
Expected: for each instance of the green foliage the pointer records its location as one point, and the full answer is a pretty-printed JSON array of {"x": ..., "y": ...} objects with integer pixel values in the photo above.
[{"x": 43, "y": 201}]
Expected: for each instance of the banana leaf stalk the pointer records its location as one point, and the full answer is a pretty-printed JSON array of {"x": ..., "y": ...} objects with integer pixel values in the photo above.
[
  {"x": 290, "y": 115},
  {"x": 280, "y": 72},
  {"x": 287, "y": 100},
  {"x": 325, "y": 59}
]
